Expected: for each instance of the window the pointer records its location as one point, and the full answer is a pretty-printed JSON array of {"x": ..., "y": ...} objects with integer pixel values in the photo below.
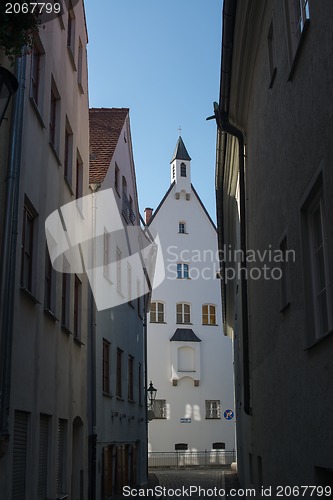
[
  {"x": 116, "y": 178},
  {"x": 118, "y": 257},
  {"x": 157, "y": 312},
  {"x": 181, "y": 446},
  {"x": 77, "y": 306},
  {"x": 140, "y": 384},
  {"x": 271, "y": 55},
  {"x": 208, "y": 314},
  {"x": 49, "y": 290},
  {"x": 315, "y": 220},
  {"x": 119, "y": 373},
  {"x": 218, "y": 446},
  {"x": 285, "y": 277},
  {"x": 124, "y": 186},
  {"x": 173, "y": 172},
  {"x": 106, "y": 366},
  {"x": 298, "y": 16},
  {"x": 182, "y": 170},
  {"x": 138, "y": 293},
  {"x": 43, "y": 456},
  {"x": 129, "y": 284},
  {"x": 54, "y": 117},
  {"x": 213, "y": 409},
  {"x": 62, "y": 456},
  {"x": 182, "y": 271},
  {"x": 65, "y": 296},
  {"x": 159, "y": 408},
  {"x": 130, "y": 378},
  {"x": 68, "y": 158},
  {"x": 20, "y": 445},
  {"x": 35, "y": 75},
  {"x": 71, "y": 31},
  {"x": 183, "y": 313},
  {"x": 182, "y": 228},
  {"x": 107, "y": 255},
  {"x": 28, "y": 230},
  {"x": 79, "y": 177},
  {"x": 79, "y": 67}
]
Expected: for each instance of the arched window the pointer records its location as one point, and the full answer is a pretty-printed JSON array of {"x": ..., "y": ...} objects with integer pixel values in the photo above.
[
  {"x": 182, "y": 271},
  {"x": 157, "y": 312},
  {"x": 181, "y": 446},
  {"x": 124, "y": 186},
  {"x": 183, "y": 312},
  {"x": 208, "y": 314},
  {"x": 182, "y": 170}
]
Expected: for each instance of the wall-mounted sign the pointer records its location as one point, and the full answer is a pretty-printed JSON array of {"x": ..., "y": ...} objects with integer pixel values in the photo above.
[
  {"x": 228, "y": 414},
  {"x": 184, "y": 420}
]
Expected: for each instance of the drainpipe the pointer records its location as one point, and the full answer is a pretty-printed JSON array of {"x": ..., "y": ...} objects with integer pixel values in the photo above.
[
  {"x": 92, "y": 427},
  {"x": 8, "y": 253}
]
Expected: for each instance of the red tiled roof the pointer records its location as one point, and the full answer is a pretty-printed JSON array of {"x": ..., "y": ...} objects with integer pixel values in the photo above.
[{"x": 105, "y": 126}]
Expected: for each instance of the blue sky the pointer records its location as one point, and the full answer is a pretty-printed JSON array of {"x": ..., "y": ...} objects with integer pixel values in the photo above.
[{"x": 161, "y": 59}]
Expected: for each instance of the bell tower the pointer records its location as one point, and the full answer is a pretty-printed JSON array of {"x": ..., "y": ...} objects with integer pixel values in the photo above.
[{"x": 180, "y": 168}]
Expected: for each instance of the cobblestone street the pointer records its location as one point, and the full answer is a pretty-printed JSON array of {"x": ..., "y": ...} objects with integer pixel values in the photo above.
[{"x": 211, "y": 481}]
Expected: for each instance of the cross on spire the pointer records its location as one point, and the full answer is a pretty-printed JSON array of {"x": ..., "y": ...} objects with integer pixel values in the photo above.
[{"x": 180, "y": 130}]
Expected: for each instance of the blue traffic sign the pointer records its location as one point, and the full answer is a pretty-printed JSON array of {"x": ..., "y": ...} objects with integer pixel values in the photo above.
[{"x": 228, "y": 414}]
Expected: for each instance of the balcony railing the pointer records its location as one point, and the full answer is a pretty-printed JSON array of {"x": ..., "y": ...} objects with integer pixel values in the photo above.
[{"x": 183, "y": 459}]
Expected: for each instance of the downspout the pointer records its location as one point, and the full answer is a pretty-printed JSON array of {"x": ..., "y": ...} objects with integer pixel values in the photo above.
[
  {"x": 8, "y": 253},
  {"x": 93, "y": 431},
  {"x": 221, "y": 113}
]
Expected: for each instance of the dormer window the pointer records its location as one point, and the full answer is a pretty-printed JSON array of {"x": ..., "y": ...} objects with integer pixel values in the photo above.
[{"x": 182, "y": 170}]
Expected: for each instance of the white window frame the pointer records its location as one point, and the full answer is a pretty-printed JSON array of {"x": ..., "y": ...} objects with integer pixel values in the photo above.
[
  {"x": 213, "y": 409},
  {"x": 156, "y": 315},
  {"x": 182, "y": 227},
  {"x": 160, "y": 409},
  {"x": 182, "y": 314},
  {"x": 183, "y": 271},
  {"x": 211, "y": 313}
]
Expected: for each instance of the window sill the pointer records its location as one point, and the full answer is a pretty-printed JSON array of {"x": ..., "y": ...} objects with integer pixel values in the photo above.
[
  {"x": 317, "y": 341},
  {"x": 119, "y": 398},
  {"x": 131, "y": 401},
  {"x": 210, "y": 324},
  {"x": 298, "y": 50},
  {"x": 158, "y": 322},
  {"x": 107, "y": 395},
  {"x": 37, "y": 111},
  {"x": 29, "y": 294},
  {"x": 78, "y": 342},
  {"x": 184, "y": 323},
  {"x": 285, "y": 307},
  {"x": 66, "y": 330},
  {"x": 55, "y": 152},
  {"x": 69, "y": 185},
  {"x": 51, "y": 315},
  {"x": 212, "y": 418}
]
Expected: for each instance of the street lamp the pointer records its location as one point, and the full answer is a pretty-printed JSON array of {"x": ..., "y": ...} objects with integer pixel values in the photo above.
[
  {"x": 8, "y": 87},
  {"x": 151, "y": 395}
]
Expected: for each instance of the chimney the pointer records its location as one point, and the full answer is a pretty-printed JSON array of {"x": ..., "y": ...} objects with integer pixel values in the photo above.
[{"x": 148, "y": 214}]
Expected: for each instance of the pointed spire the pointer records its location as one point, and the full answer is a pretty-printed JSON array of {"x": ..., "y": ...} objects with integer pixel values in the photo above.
[{"x": 180, "y": 152}]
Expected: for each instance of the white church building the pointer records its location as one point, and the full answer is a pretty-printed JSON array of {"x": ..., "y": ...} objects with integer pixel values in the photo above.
[{"x": 189, "y": 357}]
